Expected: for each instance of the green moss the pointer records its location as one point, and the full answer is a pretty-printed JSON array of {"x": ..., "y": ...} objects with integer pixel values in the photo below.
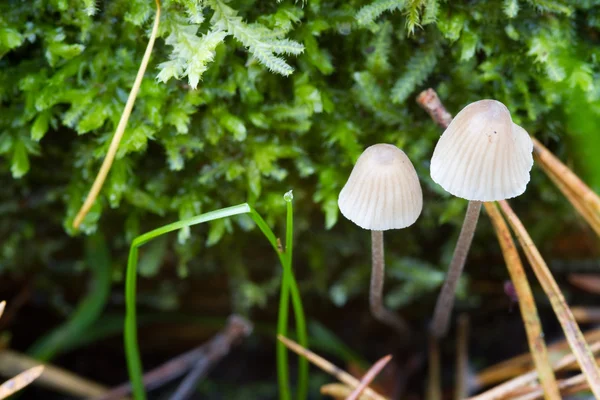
[{"x": 287, "y": 96}]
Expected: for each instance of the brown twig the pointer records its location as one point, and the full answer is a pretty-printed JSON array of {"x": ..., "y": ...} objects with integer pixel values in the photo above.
[
  {"x": 206, "y": 354},
  {"x": 12, "y": 363},
  {"x": 462, "y": 357},
  {"x": 430, "y": 101},
  {"x": 369, "y": 376},
  {"x": 218, "y": 347},
  {"x": 529, "y": 314},
  {"x": 572, "y": 332},
  {"x": 328, "y": 367},
  {"x": 588, "y": 282},
  {"x": 586, "y": 314}
]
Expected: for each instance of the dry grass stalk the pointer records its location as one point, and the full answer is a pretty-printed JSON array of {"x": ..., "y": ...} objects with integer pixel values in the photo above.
[
  {"x": 328, "y": 367},
  {"x": 552, "y": 165},
  {"x": 575, "y": 197},
  {"x": 524, "y": 363},
  {"x": 369, "y": 377},
  {"x": 12, "y": 363},
  {"x": 462, "y": 358},
  {"x": 517, "y": 384},
  {"x": 572, "y": 332},
  {"x": 434, "y": 383},
  {"x": 116, "y": 140},
  {"x": 529, "y": 314},
  {"x": 567, "y": 386},
  {"x": 17, "y": 383},
  {"x": 339, "y": 391}
]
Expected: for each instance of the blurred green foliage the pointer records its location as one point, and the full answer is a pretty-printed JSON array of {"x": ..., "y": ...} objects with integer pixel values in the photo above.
[{"x": 244, "y": 100}]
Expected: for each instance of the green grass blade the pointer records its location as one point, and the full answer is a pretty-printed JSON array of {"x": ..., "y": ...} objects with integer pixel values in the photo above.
[
  {"x": 132, "y": 352},
  {"x": 290, "y": 286},
  {"x": 87, "y": 311},
  {"x": 243, "y": 208}
]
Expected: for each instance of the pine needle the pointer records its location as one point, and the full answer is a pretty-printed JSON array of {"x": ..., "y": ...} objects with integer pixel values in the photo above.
[
  {"x": 17, "y": 383},
  {"x": 328, "y": 367},
  {"x": 529, "y": 314},
  {"x": 585, "y": 201},
  {"x": 369, "y": 377},
  {"x": 116, "y": 140},
  {"x": 561, "y": 309}
]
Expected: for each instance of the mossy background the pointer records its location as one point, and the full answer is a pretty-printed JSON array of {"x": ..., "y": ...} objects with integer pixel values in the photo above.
[{"x": 250, "y": 134}]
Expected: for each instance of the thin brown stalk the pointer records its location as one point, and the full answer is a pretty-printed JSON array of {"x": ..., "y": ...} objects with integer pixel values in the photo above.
[
  {"x": 434, "y": 382},
  {"x": 116, "y": 140},
  {"x": 17, "y": 383},
  {"x": 376, "y": 291},
  {"x": 522, "y": 381},
  {"x": 529, "y": 314},
  {"x": 328, "y": 367},
  {"x": 445, "y": 301},
  {"x": 369, "y": 377},
  {"x": 462, "y": 358},
  {"x": 12, "y": 363},
  {"x": 430, "y": 101},
  {"x": 550, "y": 163},
  {"x": 572, "y": 332}
]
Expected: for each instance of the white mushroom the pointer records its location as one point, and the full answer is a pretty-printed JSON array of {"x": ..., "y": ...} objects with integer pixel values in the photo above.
[
  {"x": 481, "y": 156},
  {"x": 382, "y": 193}
]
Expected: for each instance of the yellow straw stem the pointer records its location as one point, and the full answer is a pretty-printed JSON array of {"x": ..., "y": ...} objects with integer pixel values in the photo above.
[
  {"x": 116, "y": 140},
  {"x": 529, "y": 314},
  {"x": 577, "y": 342}
]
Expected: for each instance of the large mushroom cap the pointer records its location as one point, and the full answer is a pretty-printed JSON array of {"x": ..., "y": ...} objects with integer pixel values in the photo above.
[
  {"x": 383, "y": 191},
  {"x": 483, "y": 155}
]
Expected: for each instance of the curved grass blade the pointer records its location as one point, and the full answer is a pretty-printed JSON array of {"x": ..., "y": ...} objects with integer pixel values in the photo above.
[{"x": 134, "y": 364}]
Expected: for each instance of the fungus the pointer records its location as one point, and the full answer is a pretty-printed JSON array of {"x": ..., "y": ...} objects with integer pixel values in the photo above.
[
  {"x": 481, "y": 156},
  {"x": 382, "y": 193}
]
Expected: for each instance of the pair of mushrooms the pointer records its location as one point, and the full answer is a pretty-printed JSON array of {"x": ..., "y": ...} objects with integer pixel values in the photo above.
[{"x": 481, "y": 156}]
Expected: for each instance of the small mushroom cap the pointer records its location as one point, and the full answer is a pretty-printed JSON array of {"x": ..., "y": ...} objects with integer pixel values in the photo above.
[
  {"x": 383, "y": 191},
  {"x": 483, "y": 155}
]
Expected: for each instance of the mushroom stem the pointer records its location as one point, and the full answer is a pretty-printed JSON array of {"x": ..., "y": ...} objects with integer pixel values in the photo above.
[
  {"x": 376, "y": 295},
  {"x": 445, "y": 302}
]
